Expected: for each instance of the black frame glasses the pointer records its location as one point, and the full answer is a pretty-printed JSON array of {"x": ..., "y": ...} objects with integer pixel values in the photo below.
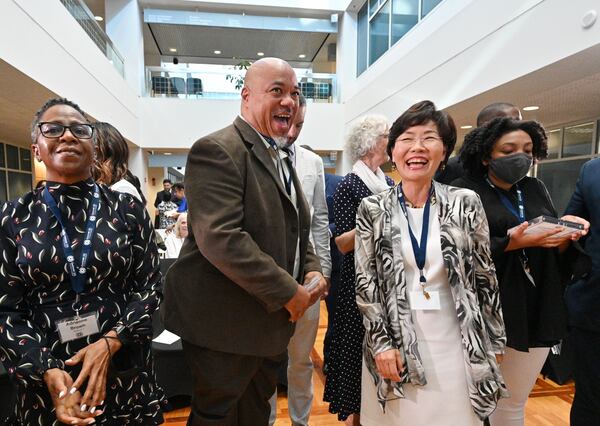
[{"x": 79, "y": 130}]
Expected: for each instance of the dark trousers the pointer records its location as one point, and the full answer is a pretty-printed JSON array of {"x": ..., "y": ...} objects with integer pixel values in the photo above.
[
  {"x": 230, "y": 389},
  {"x": 586, "y": 404}
]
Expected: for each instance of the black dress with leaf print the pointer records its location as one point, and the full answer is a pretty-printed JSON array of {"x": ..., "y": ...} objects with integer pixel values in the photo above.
[{"x": 123, "y": 285}]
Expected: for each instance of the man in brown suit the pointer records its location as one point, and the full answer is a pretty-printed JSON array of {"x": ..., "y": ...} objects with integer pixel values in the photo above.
[{"x": 234, "y": 293}]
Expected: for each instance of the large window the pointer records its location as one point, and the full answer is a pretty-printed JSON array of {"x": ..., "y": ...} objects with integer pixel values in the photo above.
[
  {"x": 569, "y": 147},
  {"x": 15, "y": 172},
  {"x": 381, "y": 23}
]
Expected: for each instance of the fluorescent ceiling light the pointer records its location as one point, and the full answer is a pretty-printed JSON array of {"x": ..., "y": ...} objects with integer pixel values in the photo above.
[
  {"x": 172, "y": 49},
  {"x": 466, "y": 127},
  {"x": 167, "y": 153},
  {"x": 217, "y": 52},
  {"x": 531, "y": 108},
  {"x": 99, "y": 18},
  {"x": 260, "y": 54},
  {"x": 302, "y": 56}
]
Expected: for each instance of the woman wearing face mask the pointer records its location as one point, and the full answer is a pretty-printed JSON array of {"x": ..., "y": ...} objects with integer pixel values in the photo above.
[{"x": 497, "y": 157}]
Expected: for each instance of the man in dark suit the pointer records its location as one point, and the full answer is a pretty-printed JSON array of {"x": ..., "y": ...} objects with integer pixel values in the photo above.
[
  {"x": 233, "y": 295},
  {"x": 331, "y": 183},
  {"x": 583, "y": 302},
  {"x": 164, "y": 195}
]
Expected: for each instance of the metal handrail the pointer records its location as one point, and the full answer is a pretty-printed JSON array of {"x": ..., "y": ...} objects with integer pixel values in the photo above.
[{"x": 79, "y": 10}]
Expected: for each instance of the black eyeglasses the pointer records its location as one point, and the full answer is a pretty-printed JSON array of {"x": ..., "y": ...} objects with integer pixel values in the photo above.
[{"x": 56, "y": 130}]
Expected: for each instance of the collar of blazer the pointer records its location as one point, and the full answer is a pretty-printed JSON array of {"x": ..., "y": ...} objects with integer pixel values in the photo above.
[{"x": 259, "y": 150}]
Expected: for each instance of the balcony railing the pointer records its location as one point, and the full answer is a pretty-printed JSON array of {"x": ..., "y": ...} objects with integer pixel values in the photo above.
[
  {"x": 185, "y": 83},
  {"x": 85, "y": 18}
]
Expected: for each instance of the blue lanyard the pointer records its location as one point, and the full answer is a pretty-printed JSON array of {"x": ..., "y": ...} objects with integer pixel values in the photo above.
[
  {"x": 520, "y": 214},
  {"x": 78, "y": 274},
  {"x": 419, "y": 250}
]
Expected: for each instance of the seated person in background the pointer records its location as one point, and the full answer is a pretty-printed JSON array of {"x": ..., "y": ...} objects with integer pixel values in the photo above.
[
  {"x": 179, "y": 199},
  {"x": 165, "y": 221},
  {"x": 174, "y": 240}
]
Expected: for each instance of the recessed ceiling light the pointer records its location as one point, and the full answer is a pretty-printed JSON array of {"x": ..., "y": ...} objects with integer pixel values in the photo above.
[
  {"x": 99, "y": 18},
  {"x": 260, "y": 54},
  {"x": 167, "y": 153},
  {"x": 302, "y": 56},
  {"x": 217, "y": 52},
  {"x": 172, "y": 49},
  {"x": 466, "y": 127},
  {"x": 531, "y": 108}
]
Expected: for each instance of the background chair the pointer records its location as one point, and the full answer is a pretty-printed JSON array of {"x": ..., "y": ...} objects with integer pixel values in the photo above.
[
  {"x": 194, "y": 86},
  {"x": 307, "y": 89},
  {"x": 177, "y": 86},
  {"x": 160, "y": 85},
  {"x": 172, "y": 372}
]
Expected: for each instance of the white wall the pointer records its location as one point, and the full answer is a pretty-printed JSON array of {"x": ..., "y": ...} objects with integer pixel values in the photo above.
[
  {"x": 42, "y": 40},
  {"x": 178, "y": 123},
  {"x": 463, "y": 48},
  {"x": 124, "y": 27}
]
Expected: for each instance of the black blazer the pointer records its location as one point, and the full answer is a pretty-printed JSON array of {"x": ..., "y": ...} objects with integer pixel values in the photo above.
[
  {"x": 533, "y": 316},
  {"x": 227, "y": 289}
]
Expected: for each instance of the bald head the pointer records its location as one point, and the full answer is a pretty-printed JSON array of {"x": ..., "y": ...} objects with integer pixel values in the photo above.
[
  {"x": 498, "y": 109},
  {"x": 270, "y": 97}
]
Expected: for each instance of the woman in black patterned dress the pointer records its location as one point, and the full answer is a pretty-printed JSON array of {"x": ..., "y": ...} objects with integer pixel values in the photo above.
[
  {"x": 366, "y": 144},
  {"x": 77, "y": 378}
]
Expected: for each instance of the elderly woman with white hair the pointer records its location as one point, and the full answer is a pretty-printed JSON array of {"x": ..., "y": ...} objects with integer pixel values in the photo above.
[
  {"x": 174, "y": 240},
  {"x": 366, "y": 145}
]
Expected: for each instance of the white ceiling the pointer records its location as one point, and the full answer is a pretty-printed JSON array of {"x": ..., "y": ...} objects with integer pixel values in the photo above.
[
  {"x": 236, "y": 43},
  {"x": 566, "y": 91},
  {"x": 20, "y": 99}
]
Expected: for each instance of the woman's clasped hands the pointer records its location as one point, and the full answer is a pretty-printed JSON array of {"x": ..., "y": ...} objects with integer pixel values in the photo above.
[{"x": 73, "y": 407}]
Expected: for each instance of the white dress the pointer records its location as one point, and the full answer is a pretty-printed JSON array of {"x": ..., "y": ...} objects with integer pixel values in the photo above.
[{"x": 444, "y": 400}]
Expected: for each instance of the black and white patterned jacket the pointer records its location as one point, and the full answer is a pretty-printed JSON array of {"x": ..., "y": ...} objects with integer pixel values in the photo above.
[{"x": 381, "y": 292}]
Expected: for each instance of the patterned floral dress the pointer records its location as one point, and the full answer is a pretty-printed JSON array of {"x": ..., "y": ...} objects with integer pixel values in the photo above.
[
  {"x": 122, "y": 285},
  {"x": 342, "y": 387}
]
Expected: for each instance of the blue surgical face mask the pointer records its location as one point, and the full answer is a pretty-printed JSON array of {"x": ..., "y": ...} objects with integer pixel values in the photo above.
[{"x": 511, "y": 168}]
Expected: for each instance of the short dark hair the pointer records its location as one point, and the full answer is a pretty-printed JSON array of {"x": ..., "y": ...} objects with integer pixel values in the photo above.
[
  {"x": 167, "y": 181},
  {"x": 178, "y": 186},
  {"x": 495, "y": 110},
  {"x": 49, "y": 104},
  {"x": 480, "y": 142},
  {"x": 421, "y": 113}
]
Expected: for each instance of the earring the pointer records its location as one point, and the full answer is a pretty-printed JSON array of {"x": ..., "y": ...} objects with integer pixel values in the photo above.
[
  {"x": 394, "y": 166},
  {"x": 443, "y": 167}
]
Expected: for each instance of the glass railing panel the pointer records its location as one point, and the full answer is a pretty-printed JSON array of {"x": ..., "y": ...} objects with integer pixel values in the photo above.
[
  {"x": 193, "y": 82},
  {"x": 85, "y": 18}
]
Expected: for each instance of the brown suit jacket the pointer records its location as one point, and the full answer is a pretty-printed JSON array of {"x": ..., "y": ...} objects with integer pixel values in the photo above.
[{"x": 227, "y": 289}]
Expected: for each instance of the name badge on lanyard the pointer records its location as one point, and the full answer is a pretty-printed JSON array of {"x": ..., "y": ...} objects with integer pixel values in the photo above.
[
  {"x": 423, "y": 299},
  {"x": 77, "y": 326}
]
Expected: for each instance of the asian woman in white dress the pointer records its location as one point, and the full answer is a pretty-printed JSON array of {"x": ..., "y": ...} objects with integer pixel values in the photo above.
[{"x": 426, "y": 287}]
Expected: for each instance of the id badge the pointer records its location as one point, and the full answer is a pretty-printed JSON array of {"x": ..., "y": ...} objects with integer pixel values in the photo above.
[
  {"x": 77, "y": 327},
  {"x": 418, "y": 301}
]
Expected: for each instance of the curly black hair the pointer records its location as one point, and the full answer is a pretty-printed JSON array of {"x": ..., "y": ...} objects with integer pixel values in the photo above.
[
  {"x": 49, "y": 104},
  {"x": 421, "y": 113},
  {"x": 479, "y": 142}
]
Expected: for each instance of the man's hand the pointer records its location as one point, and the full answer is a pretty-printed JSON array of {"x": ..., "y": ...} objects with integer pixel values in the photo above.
[
  {"x": 320, "y": 289},
  {"x": 298, "y": 304}
]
